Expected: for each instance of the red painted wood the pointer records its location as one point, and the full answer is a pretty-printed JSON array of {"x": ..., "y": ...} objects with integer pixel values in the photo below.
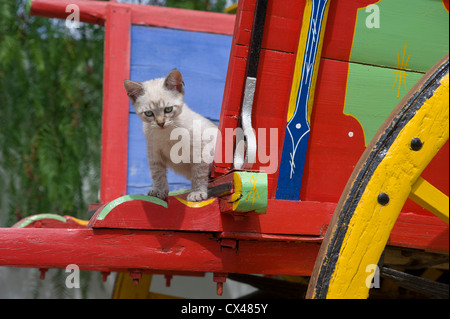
[
  {"x": 122, "y": 250},
  {"x": 49, "y": 223},
  {"x": 437, "y": 172},
  {"x": 231, "y": 103},
  {"x": 283, "y": 218},
  {"x": 281, "y": 33},
  {"x": 96, "y": 12},
  {"x": 420, "y": 231},
  {"x": 275, "y": 73},
  {"x": 338, "y": 38},
  {"x": 90, "y": 11},
  {"x": 115, "y": 103},
  {"x": 287, "y": 9},
  {"x": 305, "y": 218},
  {"x": 247, "y": 5},
  {"x": 190, "y": 20},
  {"x": 332, "y": 154},
  {"x": 233, "y": 236},
  {"x": 270, "y": 107}
]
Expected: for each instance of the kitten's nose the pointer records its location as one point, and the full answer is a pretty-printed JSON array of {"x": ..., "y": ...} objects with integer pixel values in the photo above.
[{"x": 161, "y": 124}]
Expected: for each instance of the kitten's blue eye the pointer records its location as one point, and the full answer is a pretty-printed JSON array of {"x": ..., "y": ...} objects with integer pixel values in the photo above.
[
  {"x": 168, "y": 109},
  {"x": 148, "y": 113}
]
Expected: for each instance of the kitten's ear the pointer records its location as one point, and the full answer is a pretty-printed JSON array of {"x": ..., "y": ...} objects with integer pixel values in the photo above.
[
  {"x": 134, "y": 89},
  {"x": 174, "y": 81}
]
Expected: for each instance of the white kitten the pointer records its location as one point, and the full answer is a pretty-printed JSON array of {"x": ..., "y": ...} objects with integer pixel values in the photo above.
[{"x": 160, "y": 105}]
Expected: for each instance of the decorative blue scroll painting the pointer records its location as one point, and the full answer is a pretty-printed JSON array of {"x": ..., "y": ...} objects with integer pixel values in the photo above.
[{"x": 297, "y": 130}]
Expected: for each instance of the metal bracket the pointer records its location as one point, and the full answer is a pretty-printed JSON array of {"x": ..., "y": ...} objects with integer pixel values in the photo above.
[{"x": 245, "y": 154}]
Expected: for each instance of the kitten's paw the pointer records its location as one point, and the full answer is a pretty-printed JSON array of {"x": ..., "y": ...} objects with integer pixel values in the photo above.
[
  {"x": 158, "y": 193},
  {"x": 197, "y": 196}
]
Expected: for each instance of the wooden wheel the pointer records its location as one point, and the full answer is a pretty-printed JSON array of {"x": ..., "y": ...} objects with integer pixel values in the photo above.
[{"x": 385, "y": 176}]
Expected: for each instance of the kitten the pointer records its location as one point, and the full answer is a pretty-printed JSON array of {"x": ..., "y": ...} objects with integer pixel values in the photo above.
[{"x": 160, "y": 105}]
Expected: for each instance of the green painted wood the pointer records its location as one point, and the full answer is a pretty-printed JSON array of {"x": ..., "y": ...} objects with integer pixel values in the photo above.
[
  {"x": 27, "y": 221},
  {"x": 254, "y": 192},
  {"x": 107, "y": 209},
  {"x": 389, "y": 55},
  {"x": 373, "y": 93},
  {"x": 422, "y": 24}
]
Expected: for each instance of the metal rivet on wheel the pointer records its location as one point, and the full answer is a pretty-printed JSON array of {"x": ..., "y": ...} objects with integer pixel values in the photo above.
[
  {"x": 383, "y": 199},
  {"x": 416, "y": 144}
]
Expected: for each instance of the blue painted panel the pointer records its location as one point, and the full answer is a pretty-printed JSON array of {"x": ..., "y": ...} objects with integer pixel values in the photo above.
[
  {"x": 202, "y": 59},
  {"x": 203, "y": 94},
  {"x": 139, "y": 179}
]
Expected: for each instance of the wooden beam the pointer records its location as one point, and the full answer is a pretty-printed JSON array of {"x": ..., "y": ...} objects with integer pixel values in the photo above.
[
  {"x": 116, "y": 69},
  {"x": 430, "y": 198},
  {"x": 144, "y": 251},
  {"x": 95, "y": 12},
  {"x": 305, "y": 218}
]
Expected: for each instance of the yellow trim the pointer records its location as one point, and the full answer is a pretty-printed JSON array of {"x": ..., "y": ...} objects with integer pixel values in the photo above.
[
  {"x": 237, "y": 194},
  {"x": 81, "y": 221},
  {"x": 254, "y": 191},
  {"x": 371, "y": 224},
  {"x": 299, "y": 60},
  {"x": 124, "y": 287},
  {"x": 401, "y": 70},
  {"x": 196, "y": 204},
  {"x": 300, "y": 57},
  {"x": 231, "y": 9},
  {"x": 429, "y": 197}
]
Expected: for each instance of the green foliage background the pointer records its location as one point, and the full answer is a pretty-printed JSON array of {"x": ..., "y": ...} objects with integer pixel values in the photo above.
[
  {"x": 50, "y": 114},
  {"x": 204, "y": 5}
]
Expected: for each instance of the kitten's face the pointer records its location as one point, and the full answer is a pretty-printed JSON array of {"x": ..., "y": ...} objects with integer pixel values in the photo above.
[{"x": 158, "y": 102}]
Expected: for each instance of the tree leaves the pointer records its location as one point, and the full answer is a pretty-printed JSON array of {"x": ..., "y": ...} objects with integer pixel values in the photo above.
[
  {"x": 50, "y": 114},
  {"x": 205, "y": 5}
]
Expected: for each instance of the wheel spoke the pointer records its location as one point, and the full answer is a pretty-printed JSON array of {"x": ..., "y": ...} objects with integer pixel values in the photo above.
[{"x": 430, "y": 198}]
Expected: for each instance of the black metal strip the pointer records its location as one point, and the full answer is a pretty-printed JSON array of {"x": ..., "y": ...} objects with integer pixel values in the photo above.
[{"x": 257, "y": 35}]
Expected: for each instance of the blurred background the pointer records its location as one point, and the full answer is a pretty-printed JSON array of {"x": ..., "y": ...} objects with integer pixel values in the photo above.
[{"x": 50, "y": 136}]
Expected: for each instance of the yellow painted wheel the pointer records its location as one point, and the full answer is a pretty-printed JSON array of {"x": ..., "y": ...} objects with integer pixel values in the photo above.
[{"x": 385, "y": 176}]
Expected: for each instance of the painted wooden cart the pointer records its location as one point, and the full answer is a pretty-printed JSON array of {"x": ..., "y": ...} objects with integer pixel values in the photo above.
[{"x": 345, "y": 170}]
